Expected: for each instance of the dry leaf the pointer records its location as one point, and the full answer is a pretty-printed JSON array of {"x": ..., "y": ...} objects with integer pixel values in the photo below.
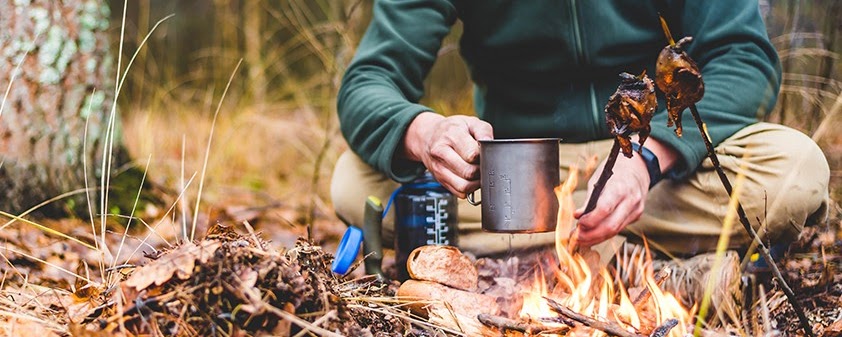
[
  {"x": 25, "y": 327},
  {"x": 179, "y": 263},
  {"x": 834, "y": 330}
]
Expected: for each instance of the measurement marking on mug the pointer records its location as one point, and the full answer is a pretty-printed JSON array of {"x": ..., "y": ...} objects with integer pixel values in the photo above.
[{"x": 508, "y": 209}]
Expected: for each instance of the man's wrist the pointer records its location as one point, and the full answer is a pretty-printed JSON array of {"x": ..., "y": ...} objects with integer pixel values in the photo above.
[
  {"x": 653, "y": 166},
  {"x": 414, "y": 139}
]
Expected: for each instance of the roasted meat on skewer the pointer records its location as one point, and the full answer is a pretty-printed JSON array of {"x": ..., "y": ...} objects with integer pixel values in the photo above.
[
  {"x": 678, "y": 77},
  {"x": 630, "y": 109}
]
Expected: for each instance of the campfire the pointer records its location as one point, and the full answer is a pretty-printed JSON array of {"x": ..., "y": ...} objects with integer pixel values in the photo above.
[
  {"x": 569, "y": 295},
  {"x": 594, "y": 291}
]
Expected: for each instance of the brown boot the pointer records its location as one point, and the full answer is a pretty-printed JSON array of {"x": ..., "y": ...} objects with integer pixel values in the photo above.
[{"x": 688, "y": 279}]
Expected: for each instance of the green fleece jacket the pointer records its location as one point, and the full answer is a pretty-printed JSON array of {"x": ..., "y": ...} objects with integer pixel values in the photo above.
[{"x": 545, "y": 68}]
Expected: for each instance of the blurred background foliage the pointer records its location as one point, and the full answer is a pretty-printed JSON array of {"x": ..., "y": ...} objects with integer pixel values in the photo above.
[{"x": 278, "y": 135}]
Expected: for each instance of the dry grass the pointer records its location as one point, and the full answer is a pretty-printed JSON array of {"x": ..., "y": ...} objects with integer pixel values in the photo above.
[{"x": 256, "y": 150}]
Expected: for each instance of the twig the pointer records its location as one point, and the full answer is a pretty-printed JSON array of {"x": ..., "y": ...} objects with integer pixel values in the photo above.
[
  {"x": 318, "y": 322},
  {"x": 644, "y": 295},
  {"x": 297, "y": 321},
  {"x": 607, "y": 327},
  {"x": 764, "y": 310},
  {"x": 764, "y": 251},
  {"x": 504, "y": 323},
  {"x": 665, "y": 328},
  {"x": 607, "y": 171}
]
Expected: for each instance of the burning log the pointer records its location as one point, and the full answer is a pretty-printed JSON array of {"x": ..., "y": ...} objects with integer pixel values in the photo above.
[
  {"x": 629, "y": 111},
  {"x": 442, "y": 264},
  {"x": 608, "y": 327},
  {"x": 680, "y": 80},
  {"x": 665, "y": 328}
]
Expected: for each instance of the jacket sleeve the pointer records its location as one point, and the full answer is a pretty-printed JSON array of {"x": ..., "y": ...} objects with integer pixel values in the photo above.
[
  {"x": 740, "y": 68},
  {"x": 380, "y": 91}
]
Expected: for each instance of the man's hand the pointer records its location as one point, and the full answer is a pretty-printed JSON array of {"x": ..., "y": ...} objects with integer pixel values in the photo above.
[
  {"x": 448, "y": 147},
  {"x": 620, "y": 203},
  {"x": 624, "y": 196}
]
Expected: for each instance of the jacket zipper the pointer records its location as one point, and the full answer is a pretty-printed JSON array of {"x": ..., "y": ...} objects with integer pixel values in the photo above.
[{"x": 582, "y": 59}]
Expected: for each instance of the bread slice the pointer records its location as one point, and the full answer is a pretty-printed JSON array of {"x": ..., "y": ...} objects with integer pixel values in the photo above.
[
  {"x": 442, "y": 264},
  {"x": 432, "y": 296}
]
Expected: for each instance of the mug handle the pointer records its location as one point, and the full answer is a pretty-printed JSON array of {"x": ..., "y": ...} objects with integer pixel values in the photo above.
[{"x": 471, "y": 200}]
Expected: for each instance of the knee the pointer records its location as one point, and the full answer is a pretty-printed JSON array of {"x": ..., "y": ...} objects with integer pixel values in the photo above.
[
  {"x": 802, "y": 168},
  {"x": 342, "y": 189},
  {"x": 352, "y": 182},
  {"x": 799, "y": 191}
]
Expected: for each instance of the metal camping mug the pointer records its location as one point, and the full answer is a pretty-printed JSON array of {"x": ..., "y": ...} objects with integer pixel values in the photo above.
[{"x": 518, "y": 181}]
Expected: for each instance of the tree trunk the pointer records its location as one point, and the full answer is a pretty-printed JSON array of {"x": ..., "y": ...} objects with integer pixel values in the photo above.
[{"x": 65, "y": 79}]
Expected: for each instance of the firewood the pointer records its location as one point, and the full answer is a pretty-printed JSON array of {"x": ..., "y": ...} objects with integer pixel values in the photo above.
[
  {"x": 431, "y": 295},
  {"x": 645, "y": 293},
  {"x": 665, "y": 328},
  {"x": 607, "y": 327},
  {"x": 442, "y": 264}
]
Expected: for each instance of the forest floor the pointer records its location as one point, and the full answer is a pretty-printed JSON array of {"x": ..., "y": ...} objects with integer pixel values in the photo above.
[{"x": 250, "y": 270}]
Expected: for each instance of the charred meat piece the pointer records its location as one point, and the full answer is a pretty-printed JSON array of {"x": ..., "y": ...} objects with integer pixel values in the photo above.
[
  {"x": 630, "y": 109},
  {"x": 678, "y": 77}
]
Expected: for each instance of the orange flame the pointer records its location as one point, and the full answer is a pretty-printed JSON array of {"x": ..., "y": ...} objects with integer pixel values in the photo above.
[{"x": 596, "y": 294}]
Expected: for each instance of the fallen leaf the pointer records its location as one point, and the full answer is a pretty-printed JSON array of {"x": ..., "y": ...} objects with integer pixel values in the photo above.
[
  {"x": 834, "y": 330},
  {"x": 178, "y": 262},
  {"x": 25, "y": 327}
]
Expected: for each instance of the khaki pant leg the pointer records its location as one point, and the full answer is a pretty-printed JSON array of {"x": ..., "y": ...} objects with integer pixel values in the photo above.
[
  {"x": 352, "y": 183},
  {"x": 786, "y": 185}
]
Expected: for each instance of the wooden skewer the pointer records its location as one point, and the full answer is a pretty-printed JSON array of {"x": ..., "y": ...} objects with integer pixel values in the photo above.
[
  {"x": 764, "y": 251},
  {"x": 607, "y": 172},
  {"x": 741, "y": 213}
]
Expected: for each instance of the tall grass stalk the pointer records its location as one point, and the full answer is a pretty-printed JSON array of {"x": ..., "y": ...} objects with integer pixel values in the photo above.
[
  {"x": 131, "y": 216},
  {"x": 107, "y": 150},
  {"x": 57, "y": 267},
  {"x": 207, "y": 151},
  {"x": 163, "y": 217},
  {"x": 721, "y": 247},
  {"x": 46, "y": 229}
]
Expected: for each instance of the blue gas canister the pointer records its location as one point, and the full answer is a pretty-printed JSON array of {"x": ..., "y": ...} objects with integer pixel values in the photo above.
[{"x": 425, "y": 214}]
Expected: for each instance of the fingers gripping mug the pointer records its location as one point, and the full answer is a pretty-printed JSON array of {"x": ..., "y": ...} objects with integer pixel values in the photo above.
[{"x": 518, "y": 181}]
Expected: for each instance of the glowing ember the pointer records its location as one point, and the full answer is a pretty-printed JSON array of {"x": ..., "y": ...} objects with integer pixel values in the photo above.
[{"x": 597, "y": 294}]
